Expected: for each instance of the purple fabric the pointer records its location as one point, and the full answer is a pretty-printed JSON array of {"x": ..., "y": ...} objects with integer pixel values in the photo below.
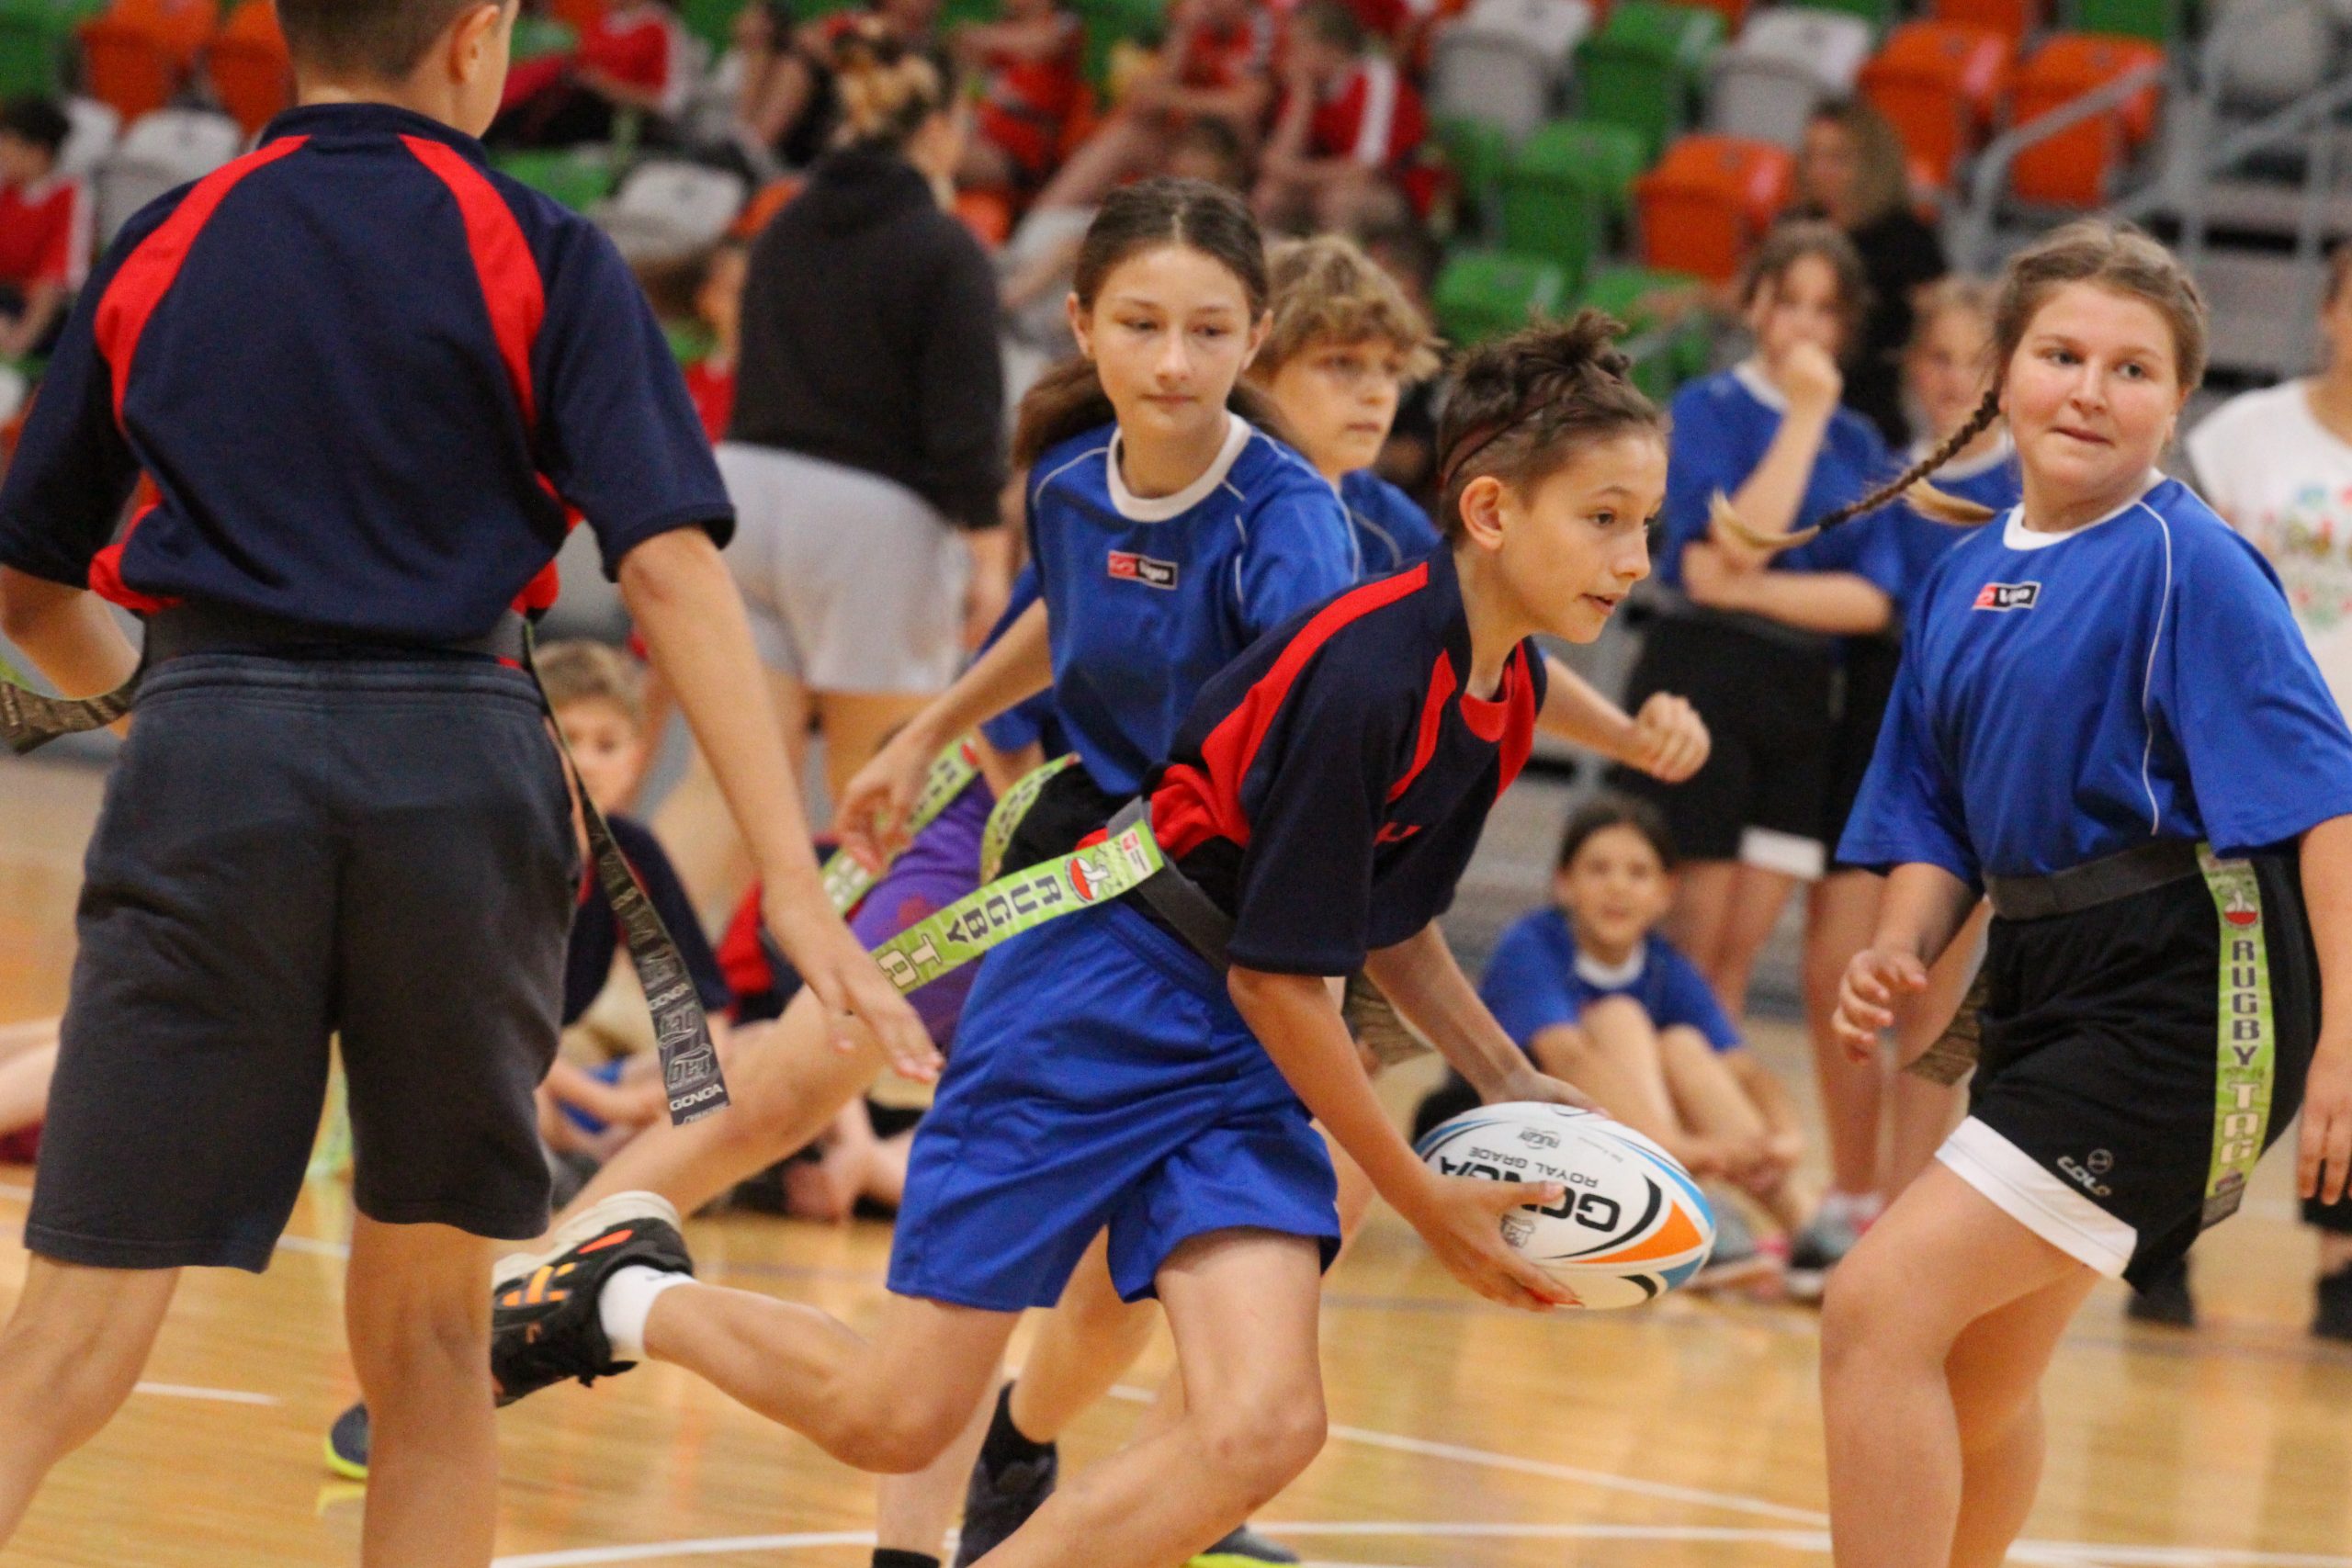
[{"x": 941, "y": 866}]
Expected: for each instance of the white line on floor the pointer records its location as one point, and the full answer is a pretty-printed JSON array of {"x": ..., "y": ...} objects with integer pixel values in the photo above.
[
  {"x": 219, "y": 1395},
  {"x": 655, "y": 1550}
]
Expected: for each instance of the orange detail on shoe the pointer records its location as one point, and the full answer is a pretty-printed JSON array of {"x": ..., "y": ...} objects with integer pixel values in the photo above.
[{"x": 611, "y": 1238}]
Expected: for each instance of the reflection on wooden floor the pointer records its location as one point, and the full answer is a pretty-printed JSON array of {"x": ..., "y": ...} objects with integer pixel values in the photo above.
[{"x": 1686, "y": 1433}]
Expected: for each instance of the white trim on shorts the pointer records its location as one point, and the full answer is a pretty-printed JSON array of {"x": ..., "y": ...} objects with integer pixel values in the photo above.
[
  {"x": 1768, "y": 849},
  {"x": 2029, "y": 1193}
]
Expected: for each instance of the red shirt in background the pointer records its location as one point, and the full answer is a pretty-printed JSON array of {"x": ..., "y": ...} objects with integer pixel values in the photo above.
[
  {"x": 1228, "y": 57},
  {"x": 1026, "y": 101},
  {"x": 1371, "y": 117},
  {"x": 45, "y": 233},
  {"x": 712, "y": 386},
  {"x": 643, "y": 46}
]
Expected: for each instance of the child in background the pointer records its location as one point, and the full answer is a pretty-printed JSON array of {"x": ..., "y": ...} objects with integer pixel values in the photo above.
[
  {"x": 1348, "y": 122},
  {"x": 636, "y": 56},
  {"x": 1030, "y": 66},
  {"x": 45, "y": 227},
  {"x": 719, "y": 301}
]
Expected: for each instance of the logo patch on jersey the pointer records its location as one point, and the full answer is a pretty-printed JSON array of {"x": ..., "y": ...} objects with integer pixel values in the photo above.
[
  {"x": 2008, "y": 596},
  {"x": 1128, "y": 566}
]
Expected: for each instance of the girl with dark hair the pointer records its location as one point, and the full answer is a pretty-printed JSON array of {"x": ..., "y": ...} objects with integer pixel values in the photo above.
[{"x": 1321, "y": 800}]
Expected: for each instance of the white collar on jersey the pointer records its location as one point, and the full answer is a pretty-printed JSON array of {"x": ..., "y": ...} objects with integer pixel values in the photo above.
[
  {"x": 1160, "y": 508},
  {"x": 1612, "y": 976},
  {"x": 1961, "y": 468},
  {"x": 2018, "y": 536},
  {"x": 1749, "y": 373}
]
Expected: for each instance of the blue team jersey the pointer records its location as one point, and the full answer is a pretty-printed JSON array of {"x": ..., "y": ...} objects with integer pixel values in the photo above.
[
  {"x": 1328, "y": 787},
  {"x": 1537, "y": 980},
  {"x": 2065, "y": 696},
  {"x": 1391, "y": 530},
  {"x": 1034, "y": 722},
  {"x": 1991, "y": 480},
  {"x": 1149, "y": 598},
  {"x": 1722, "y": 426}
]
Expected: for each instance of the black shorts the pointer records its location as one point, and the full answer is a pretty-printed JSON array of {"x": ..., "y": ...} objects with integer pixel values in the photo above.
[
  {"x": 1871, "y": 665},
  {"x": 290, "y": 848},
  {"x": 2093, "y": 1120},
  {"x": 1769, "y": 703}
]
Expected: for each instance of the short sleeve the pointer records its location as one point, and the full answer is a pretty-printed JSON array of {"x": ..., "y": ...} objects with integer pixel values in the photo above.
[
  {"x": 2268, "y": 752},
  {"x": 1909, "y": 809},
  {"x": 1699, "y": 461},
  {"x": 1526, "y": 984},
  {"x": 616, "y": 432},
  {"x": 1296, "y": 554},
  {"x": 1686, "y": 999}
]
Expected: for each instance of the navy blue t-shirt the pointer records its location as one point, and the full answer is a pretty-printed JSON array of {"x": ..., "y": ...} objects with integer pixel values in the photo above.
[
  {"x": 371, "y": 378},
  {"x": 2066, "y": 696},
  {"x": 595, "y": 936},
  {"x": 1537, "y": 980},
  {"x": 1328, "y": 788},
  {"x": 1392, "y": 532}
]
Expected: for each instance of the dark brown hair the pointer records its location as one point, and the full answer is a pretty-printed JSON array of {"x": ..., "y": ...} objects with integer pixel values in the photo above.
[
  {"x": 1790, "y": 243},
  {"x": 377, "y": 39},
  {"x": 1522, "y": 407},
  {"x": 1611, "y": 810},
  {"x": 1069, "y": 399}
]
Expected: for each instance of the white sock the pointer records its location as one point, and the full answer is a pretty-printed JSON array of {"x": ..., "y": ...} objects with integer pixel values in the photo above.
[{"x": 627, "y": 1301}]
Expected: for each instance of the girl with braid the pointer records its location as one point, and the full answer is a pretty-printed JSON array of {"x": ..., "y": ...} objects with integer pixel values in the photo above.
[{"x": 2107, "y": 720}]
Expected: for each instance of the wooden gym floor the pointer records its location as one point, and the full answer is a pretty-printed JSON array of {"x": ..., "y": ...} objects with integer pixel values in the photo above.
[{"x": 1465, "y": 1435}]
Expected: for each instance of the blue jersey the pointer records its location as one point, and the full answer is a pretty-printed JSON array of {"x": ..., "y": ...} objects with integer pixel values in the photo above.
[
  {"x": 1537, "y": 980},
  {"x": 1330, "y": 784},
  {"x": 370, "y": 375},
  {"x": 1990, "y": 481},
  {"x": 1034, "y": 722},
  {"x": 1721, "y": 427},
  {"x": 2065, "y": 696},
  {"x": 1149, "y": 598},
  {"x": 1391, "y": 530}
]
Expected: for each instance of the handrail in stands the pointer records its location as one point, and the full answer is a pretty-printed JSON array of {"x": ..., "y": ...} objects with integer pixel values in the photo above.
[{"x": 1970, "y": 235}]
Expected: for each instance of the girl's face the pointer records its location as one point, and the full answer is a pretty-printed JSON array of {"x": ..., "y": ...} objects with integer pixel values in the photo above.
[
  {"x": 1340, "y": 398},
  {"x": 1828, "y": 165},
  {"x": 1802, "y": 305},
  {"x": 1171, "y": 331},
  {"x": 1614, "y": 889},
  {"x": 1947, "y": 366},
  {"x": 1570, "y": 552},
  {"x": 2092, "y": 393}
]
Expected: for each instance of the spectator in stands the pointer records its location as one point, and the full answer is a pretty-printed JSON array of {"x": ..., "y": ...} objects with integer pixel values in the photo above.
[
  {"x": 719, "y": 302},
  {"x": 1216, "y": 64},
  {"x": 636, "y": 57},
  {"x": 45, "y": 227},
  {"x": 780, "y": 103},
  {"x": 1851, "y": 172},
  {"x": 1033, "y": 87},
  {"x": 1349, "y": 123}
]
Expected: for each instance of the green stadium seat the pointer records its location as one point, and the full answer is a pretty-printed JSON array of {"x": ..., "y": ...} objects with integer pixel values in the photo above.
[
  {"x": 34, "y": 38},
  {"x": 1676, "y": 349},
  {"x": 1478, "y": 153},
  {"x": 577, "y": 176},
  {"x": 1564, "y": 188},
  {"x": 1111, "y": 22},
  {"x": 536, "y": 38},
  {"x": 1484, "y": 293},
  {"x": 955, "y": 12},
  {"x": 1882, "y": 15},
  {"x": 711, "y": 20},
  {"x": 2158, "y": 21},
  {"x": 1647, "y": 67}
]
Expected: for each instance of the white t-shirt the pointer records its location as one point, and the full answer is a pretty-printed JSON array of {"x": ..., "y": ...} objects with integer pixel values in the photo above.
[{"x": 2266, "y": 463}]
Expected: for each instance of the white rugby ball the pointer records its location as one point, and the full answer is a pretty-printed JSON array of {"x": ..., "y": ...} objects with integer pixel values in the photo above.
[{"x": 1633, "y": 1225}]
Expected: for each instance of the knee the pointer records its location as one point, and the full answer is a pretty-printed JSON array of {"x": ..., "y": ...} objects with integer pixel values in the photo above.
[
  {"x": 1260, "y": 1443},
  {"x": 895, "y": 1441},
  {"x": 417, "y": 1346},
  {"x": 1862, "y": 1316}
]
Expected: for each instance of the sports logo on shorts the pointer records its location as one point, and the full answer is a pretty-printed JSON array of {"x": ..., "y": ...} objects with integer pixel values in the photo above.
[
  {"x": 2008, "y": 596},
  {"x": 1128, "y": 566}
]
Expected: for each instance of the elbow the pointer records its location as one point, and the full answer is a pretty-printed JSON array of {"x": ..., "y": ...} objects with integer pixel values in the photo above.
[
  {"x": 26, "y": 603},
  {"x": 656, "y": 573}
]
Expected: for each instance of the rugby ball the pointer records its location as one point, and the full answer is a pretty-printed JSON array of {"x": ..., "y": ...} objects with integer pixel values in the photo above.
[{"x": 1633, "y": 1225}]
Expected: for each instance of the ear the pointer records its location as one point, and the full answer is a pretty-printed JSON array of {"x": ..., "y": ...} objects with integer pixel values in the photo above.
[
  {"x": 1081, "y": 325},
  {"x": 472, "y": 37},
  {"x": 1486, "y": 500}
]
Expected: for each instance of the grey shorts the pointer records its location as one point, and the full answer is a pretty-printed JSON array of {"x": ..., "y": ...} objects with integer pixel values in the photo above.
[
  {"x": 289, "y": 849},
  {"x": 853, "y": 583}
]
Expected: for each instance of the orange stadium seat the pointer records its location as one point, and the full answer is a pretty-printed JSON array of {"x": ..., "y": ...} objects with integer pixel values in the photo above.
[
  {"x": 1940, "y": 83},
  {"x": 1706, "y": 201},
  {"x": 2012, "y": 18},
  {"x": 252, "y": 73},
  {"x": 2075, "y": 167},
  {"x": 136, "y": 53},
  {"x": 577, "y": 15}
]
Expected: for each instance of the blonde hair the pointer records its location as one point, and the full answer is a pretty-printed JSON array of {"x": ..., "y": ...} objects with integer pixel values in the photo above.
[
  {"x": 1326, "y": 291},
  {"x": 582, "y": 672},
  {"x": 887, "y": 87}
]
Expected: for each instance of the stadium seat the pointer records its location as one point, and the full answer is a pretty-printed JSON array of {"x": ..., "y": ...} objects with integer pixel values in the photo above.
[
  {"x": 1880, "y": 14},
  {"x": 2011, "y": 18},
  {"x": 136, "y": 53},
  {"x": 1645, "y": 67},
  {"x": 1675, "y": 348},
  {"x": 2291, "y": 50},
  {"x": 1708, "y": 199},
  {"x": 35, "y": 36},
  {"x": 97, "y": 130},
  {"x": 1768, "y": 81},
  {"x": 2075, "y": 167},
  {"x": 1732, "y": 12},
  {"x": 578, "y": 15},
  {"x": 713, "y": 21},
  {"x": 1505, "y": 62},
  {"x": 253, "y": 74},
  {"x": 1478, "y": 153},
  {"x": 666, "y": 209},
  {"x": 1109, "y": 23},
  {"x": 1940, "y": 83},
  {"x": 1484, "y": 293},
  {"x": 2158, "y": 21},
  {"x": 536, "y": 37},
  {"x": 159, "y": 153},
  {"x": 577, "y": 176},
  {"x": 1562, "y": 189}
]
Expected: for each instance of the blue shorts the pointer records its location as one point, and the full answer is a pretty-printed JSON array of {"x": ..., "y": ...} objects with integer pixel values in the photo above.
[
  {"x": 610, "y": 1075},
  {"x": 1101, "y": 1076}
]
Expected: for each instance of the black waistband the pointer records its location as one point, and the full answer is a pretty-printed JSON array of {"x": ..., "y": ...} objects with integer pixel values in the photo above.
[
  {"x": 2153, "y": 865},
  {"x": 219, "y": 628},
  {"x": 1178, "y": 900}
]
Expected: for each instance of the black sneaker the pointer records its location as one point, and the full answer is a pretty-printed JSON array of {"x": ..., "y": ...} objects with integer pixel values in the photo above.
[
  {"x": 347, "y": 1444},
  {"x": 2166, "y": 1301},
  {"x": 1817, "y": 1249},
  {"x": 2333, "y": 1318},
  {"x": 996, "y": 1503},
  {"x": 544, "y": 1326},
  {"x": 1244, "y": 1548}
]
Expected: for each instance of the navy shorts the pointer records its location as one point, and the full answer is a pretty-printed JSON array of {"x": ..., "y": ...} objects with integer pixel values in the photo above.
[
  {"x": 1101, "y": 1076},
  {"x": 289, "y": 849}
]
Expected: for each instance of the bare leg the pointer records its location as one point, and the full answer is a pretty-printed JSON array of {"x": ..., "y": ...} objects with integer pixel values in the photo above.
[
  {"x": 913, "y": 1512},
  {"x": 1841, "y": 915},
  {"x": 1714, "y": 1104},
  {"x": 854, "y": 725},
  {"x": 886, "y": 1169},
  {"x": 1925, "y": 1113},
  {"x": 1995, "y": 1372},
  {"x": 24, "y": 1083},
  {"x": 891, "y": 1405},
  {"x": 70, "y": 1356},
  {"x": 1613, "y": 1056},
  {"x": 1242, "y": 1304},
  {"x": 1939, "y": 1260},
  {"x": 1082, "y": 1348},
  {"x": 1703, "y": 890},
  {"x": 420, "y": 1339},
  {"x": 1725, "y": 938}
]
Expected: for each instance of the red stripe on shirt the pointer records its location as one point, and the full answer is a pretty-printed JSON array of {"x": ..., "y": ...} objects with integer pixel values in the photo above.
[
  {"x": 1190, "y": 806},
  {"x": 106, "y": 573},
  {"x": 512, "y": 288},
  {"x": 1442, "y": 687},
  {"x": 142, "y": 280}
]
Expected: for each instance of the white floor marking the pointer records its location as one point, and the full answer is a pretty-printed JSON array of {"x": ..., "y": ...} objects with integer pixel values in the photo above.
[
  {"x": 217, "y": 1395},
  {"x": 655, "y": 1550}
]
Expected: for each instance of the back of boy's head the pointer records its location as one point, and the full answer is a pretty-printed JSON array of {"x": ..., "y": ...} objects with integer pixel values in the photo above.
[
  {"x": 379, "y": 41},
  {"x": 579, "y": 671},
  {"x": 1606, "y": 811},
  {"x": 37, "y": 120},
  {"x": 1326, "y": 291}
]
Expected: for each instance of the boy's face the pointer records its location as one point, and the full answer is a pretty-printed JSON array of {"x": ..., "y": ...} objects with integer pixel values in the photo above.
[
  {"x": 1340, "y": 398},
  {"x": 606, "y": 745},
  {"x": 1614, "y": 890}
]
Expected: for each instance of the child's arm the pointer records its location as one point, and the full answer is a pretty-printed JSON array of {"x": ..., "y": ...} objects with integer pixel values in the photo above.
[
  {"x": 575, "y": 1086},
  {"x": 685, "y": 605},
  {"x": 1767, "y": 501},
  {"x": 68, "y": 633},
  {"x": 44, "y": 302},
  {"x": 1420, "y": 978},
  {"x": 1841, "y": 604},
  {"x": 1924, "y": 906},
  {"x": 1667, "y": 740},
  {"x": 2324, "y": 1157},
  {"x": 1299, "y": 1024}
]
